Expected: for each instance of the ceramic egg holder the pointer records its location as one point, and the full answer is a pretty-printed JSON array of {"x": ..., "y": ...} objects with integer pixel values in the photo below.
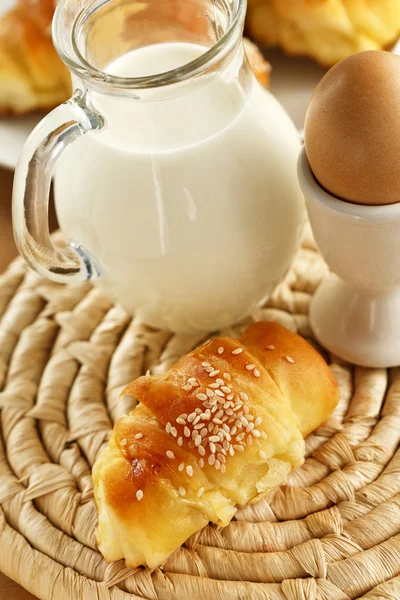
[{"x": 356, "y": 310}]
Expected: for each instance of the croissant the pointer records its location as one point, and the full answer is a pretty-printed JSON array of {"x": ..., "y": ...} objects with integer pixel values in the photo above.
[
  {"x": 327, "y": 30},
  {"x": 221, "y": 428}
]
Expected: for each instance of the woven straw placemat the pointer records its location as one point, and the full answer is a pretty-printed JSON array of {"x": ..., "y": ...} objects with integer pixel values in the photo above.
[{"x": 332, "y": 533}]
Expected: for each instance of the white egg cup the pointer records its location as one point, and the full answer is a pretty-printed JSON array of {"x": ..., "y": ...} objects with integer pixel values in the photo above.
[{"x": 355, "y": 312}]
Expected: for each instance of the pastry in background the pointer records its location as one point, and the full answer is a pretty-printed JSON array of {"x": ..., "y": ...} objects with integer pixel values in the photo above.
[
  {"x": 223, "y": 427},
  {"x": 327, "y": 30},
  {"x": 32, "y": 76}
]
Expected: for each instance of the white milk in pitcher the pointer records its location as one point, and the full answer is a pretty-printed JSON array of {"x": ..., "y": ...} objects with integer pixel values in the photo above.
[{"x": 189, "y": 200}]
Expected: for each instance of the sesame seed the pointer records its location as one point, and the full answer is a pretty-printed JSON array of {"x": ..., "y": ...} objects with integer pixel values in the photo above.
[
  {"x": 246, "y": 410},
  {"x": 211, "y": 459},
  {"x": 258, "y": 421},
  {"x": 223, "y": 468},
  {"x": 170, "y": 454},
  {"x": 181, "y": 421},
  {"x": 243, "y": 396},
  {"x": 205, "y": 364},
  {"x": 192, "y": 380},
  {"x": 197, "y": 441},
  {"x": 250, "y": 367},
  {"x": 125, "y": 441},
  {"x": 212, "y": 447},
  {"x": 238, "y": 448},
  {"x": 186, "y": 432},
  {"x": 174, "y": 431},
  {"x": 201, "y": 450},
  {"x": 209, "y": 369},
  {"x": 189, "y": 470},
  {"x": 230, "y": 397},
  {"x": 249, "y": 439},
  {"x": 201, "y": 396},
  {"x": 264, "y": 435},
  {"x": 217, "y": 421},
  {"x": 195, "y": 434},
  {"x": 180, "y": 441},
  {"x": 226, "y": 389},
  {"x": 203, "y": 432},
  {"x": 256, "y": 433},
  {"x": 139, "y": 495},
  {"x": 209, "y": 393},
  {"x": 182, "y": 490},
  {"x": 231, "y": 450},
  {"x": 200, "y": 492},
  {"x": 214, "y": 386},
  {"x": 233, "y": 430},
  {"x": 220, "y": 394},
  {"x": 168, "y": 428},
  {"x": 197, "y": 411},
  {"x": 250, "y": 417},
  {"x": 237, "y": 351},
  {"x": 237, "y": 407},
  {"x": 217, "y": 465},
  {"x": 181, "y": 466},
  {"x": 187, "y": 387},
  {"x": 262, "y": 455},
  {"x": 197, "y": 419},
  {"x": 191, "y": 417},
  {"x": 270, "y": 347},
  {"x": 214, "y": 373},
  {"x": 198, "y": 426},
  {"x": 249, "y": 427},
  {"x": 289, "y": 359},
  {"x": 256, "y": 373},
  {"x": 210, "y": 427},
  {"x": 245, "y": 422},
  {"x": 227, "y": 376},
  {"x": 239, "y": 424},
  {"x": 220, "y": 350},
  {"x": 214, "y": 438},
  {"x": 226, "y": 445},
  {"x": 201, "y": 463},
  {"x": 226, "y": 428},
  {"x": 221, "y": 457}
]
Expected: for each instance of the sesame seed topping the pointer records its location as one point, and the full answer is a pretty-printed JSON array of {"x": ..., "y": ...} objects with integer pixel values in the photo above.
[
  {"x": 262, "y": 455},
  {"x": 125, "y": 441},
  {"x": 249, "y": 439},
  {"x": 182, "y": 491},
  {"x": 264, "y": 435},
  {"x": 220, "y": 350},
  {"x": 226, "y": 389},
  {"x": 201, "y": 396},
  {"x": 238, "y": 448},
  {"x": 246, "y": 409},
  {"x": 168, "y": 428},
  {"x": 197, "y": 411},
  {"x": 186, "y": 432},
  {"x": 197, "y": 441},
  {"x": 214, "y": 373},
  {"x": 237, "y": 351},
  {"x": 289, "y": 359},
  {"x": 211, "y": 459},
  {"x": 223, "y": 468},
  {"x": 203, "y": 432},
  {"x": 250, "y": 367},
  {"x": 180, "y": 441},
  {"x": 200, "y": 492},
  {"x": 191, "y": 417},
  {"x": 187, "y": 387},
  {"x": 209, "y": 393},
  {"x": 230, "y": 397},
  {"x": 233, "y": 430},
  {"x": 256, "y": 373},
  {"x": 201, "y": 450},
  {"x": 226, "y": 445},
  {"x": 197, "y": 419},
  {"x": 256, "y": 433},
  {"x": 220, "y": 394},
  {"x": 174, "y": 431},
  {"x": 189, "y": 470},
  {"x": 214, "y": 438},
  {"x": 231, "y": 450},
  {"x": 192, "y": 380},
  {"x": 270, "y": 347},
  {"x": 205, "y": 364},
  {"x": 227, "y": 376},
  {"x": 244, "y": 396},
  {"x": 249, "y": 427},
  {"x": 139, "y": 495},
  {"x": 170, "y": 454},
  {"x": 221, "y": 457},
  {"x": 181, "y": 466},
  {"x": 201, "y": 463},
  {"x": 217, "y": 465},
  {"x": 181, "y": 421}
]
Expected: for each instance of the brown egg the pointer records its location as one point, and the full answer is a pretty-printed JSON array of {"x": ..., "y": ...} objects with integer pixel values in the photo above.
[{"x": 352, "y": 130}]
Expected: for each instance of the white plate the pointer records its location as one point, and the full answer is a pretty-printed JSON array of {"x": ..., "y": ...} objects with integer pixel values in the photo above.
[{"x": 293, "y": 81}]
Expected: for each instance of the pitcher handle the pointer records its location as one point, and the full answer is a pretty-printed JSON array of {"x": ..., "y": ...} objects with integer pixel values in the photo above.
[{"x": 50, "y": 138}]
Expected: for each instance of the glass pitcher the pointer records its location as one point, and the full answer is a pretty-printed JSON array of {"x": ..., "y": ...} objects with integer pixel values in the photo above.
[{"x": 175, "y": 171}]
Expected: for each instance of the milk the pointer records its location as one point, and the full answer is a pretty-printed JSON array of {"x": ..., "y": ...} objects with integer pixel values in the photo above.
[{"x": 191, "y": 203}]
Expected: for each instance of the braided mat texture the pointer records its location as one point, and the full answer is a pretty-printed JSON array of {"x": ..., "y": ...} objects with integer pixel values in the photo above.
[{"x": 332, "y": 533}]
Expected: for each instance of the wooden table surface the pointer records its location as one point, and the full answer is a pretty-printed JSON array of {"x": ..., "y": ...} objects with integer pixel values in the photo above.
[{"x": 8, "y": 589}]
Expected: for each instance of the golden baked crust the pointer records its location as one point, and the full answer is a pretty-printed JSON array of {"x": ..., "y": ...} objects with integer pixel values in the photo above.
[
  {"x": 327, "y": 30},
  {"x": 155, "y": 484},
  {"x": 31, "y": 74}
]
